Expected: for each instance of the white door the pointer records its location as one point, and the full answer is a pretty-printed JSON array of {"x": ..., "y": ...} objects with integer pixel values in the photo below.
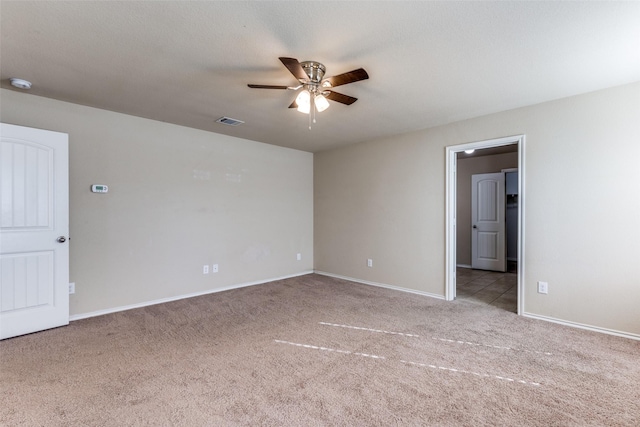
[
  {"x": 34, "y": 230},
  {"x": 488, "y": 236}
]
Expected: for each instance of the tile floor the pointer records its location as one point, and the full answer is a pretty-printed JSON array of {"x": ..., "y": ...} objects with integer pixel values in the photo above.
[{"x": 488, "y": 287}]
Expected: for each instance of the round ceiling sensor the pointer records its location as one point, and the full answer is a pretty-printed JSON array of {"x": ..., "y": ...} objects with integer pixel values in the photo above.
[{"x": 20, "y": 83}]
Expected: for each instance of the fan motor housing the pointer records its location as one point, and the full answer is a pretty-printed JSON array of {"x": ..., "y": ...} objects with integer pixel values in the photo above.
[{"x": 314, "y": 70}]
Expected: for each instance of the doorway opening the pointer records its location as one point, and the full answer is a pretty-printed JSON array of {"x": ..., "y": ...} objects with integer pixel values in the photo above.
[{"x": 454, "y": 224}]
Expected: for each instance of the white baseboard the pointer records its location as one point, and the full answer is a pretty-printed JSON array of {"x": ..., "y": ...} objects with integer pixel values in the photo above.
[
  {"x": 463, "y": 265},
  {"x": 352, "y": 279},
  {"x": 529, "y": 315},
  {"x": 179, "y": 297},
  {"x": 380, "y": 285},
  {"x": 583, "y": 326}
]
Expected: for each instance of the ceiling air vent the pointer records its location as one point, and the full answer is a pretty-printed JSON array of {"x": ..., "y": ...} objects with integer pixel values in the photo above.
[{"x": 229, "y": 121}]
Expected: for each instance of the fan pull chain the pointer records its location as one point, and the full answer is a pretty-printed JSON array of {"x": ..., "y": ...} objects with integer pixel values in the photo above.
[{"x": 313, "y": 105}]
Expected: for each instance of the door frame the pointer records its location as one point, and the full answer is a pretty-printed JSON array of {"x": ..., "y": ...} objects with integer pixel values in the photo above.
[{"x": 450, "y": 217}]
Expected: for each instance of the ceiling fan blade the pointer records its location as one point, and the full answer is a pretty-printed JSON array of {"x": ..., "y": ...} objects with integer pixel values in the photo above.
[
  {"x": 345, "y": 78},
  {"x": 294, "y": 104},
  {"x": 338, "y": 97},
  {"x": 267, "y": 87},
  {"x": 295, "y": 68}
]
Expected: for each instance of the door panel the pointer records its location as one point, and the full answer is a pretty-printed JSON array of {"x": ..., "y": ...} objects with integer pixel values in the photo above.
[
  {"x": 487, "y": 245},
  {"x": 488, "y": 239},
  {"x": 34, "y": 266},
  {"x": 27, "y": 280}
]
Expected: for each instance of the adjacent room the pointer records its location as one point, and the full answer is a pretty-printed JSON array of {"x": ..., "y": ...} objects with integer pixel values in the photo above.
[{"x": 319, "y": 213}]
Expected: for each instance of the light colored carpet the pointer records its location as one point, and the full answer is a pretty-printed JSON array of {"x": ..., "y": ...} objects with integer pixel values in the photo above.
[{"x": 313, "y": 351}]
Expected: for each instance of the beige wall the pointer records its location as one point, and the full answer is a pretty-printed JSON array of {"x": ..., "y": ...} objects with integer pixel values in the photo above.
[
  {"x": 385, "y": 200},
  {"x": 466, "y": 168},
  {"x": 178, "y": 198}
]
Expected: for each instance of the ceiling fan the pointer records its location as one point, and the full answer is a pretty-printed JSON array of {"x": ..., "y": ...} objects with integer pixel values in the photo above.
[{"x": 316, "y": 88}]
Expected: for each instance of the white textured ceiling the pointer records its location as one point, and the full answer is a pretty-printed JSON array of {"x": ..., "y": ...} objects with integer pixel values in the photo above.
[{"x": 430, "y": 63}]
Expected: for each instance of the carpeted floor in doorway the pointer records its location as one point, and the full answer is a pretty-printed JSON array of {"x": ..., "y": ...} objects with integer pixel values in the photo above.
[{"x": 318, "y": 351}]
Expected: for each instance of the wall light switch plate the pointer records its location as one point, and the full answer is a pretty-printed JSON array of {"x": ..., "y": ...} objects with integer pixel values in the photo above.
[
  {"x": 543, "y": 288},
  {"x": 72, "y": 288},
  {"x": 299, "y": 257},
  {"x": 369, "y": 263},
  {"x": 205, "y": 269},
  {"x": 215, "y": 268}
]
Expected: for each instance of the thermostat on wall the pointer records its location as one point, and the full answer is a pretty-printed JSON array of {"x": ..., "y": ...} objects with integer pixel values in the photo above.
[{"x": 99, "y": 188}]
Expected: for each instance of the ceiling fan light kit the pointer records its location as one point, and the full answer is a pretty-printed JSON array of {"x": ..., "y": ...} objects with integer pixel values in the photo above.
[
  {"x": 314, "y": 86},
  {"x": 303, "y": 100},
  {"x": 321, "y": 103}
]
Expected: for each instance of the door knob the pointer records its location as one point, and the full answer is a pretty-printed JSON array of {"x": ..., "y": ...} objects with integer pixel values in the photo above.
[
  {"x": 62, "y": 239},
  {"x": 475, "y": 226}
]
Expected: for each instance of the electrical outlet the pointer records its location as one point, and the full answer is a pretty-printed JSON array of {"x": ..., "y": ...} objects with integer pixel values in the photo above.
[
  {"x": 72, "y": 288},
  {"x": 215, "y": 268},
  {"x": 369, "y": 263},
  {"x": 205, "y": 269},
  {"x": 299, "y": 257},
  {"x": 543, "y": 288}
]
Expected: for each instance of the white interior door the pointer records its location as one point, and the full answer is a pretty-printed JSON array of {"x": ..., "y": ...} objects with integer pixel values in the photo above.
[
  {"x": 488, "y": 233},
  {"x": 34, "y": 230}
]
